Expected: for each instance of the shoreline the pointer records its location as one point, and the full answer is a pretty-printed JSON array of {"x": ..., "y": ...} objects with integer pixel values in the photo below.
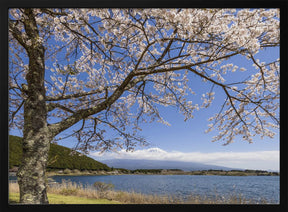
[{"x": 76, "y": 172}]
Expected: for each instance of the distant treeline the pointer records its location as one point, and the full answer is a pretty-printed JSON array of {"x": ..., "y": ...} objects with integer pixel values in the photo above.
[
  {"x": 198, "y": 172},
  {"x": 234, "y": 172},
  {"x": 146, "y": 171}
]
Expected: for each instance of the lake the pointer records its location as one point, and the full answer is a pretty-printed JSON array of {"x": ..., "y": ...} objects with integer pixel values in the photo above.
[{"x": 250, "y": 187}]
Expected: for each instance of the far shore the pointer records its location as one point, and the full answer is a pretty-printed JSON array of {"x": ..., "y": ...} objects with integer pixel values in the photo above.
[{"x": 76, "y": 172}]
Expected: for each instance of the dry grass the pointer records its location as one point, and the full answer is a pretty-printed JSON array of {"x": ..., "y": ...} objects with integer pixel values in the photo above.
[
  {"x": 13, "y": 188},
  {"x": 88, "y": 191}
]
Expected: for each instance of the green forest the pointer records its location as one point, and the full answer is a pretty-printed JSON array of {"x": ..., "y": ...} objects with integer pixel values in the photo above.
[{"x": 60, "y": 157}]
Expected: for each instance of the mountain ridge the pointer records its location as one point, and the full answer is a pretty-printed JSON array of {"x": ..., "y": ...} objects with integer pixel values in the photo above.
[
  {"x": 133, "y": 164},
  {"x": 59, "y": 157}
]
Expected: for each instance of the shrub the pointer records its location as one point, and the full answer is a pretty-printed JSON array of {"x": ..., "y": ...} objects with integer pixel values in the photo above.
[
  {"x": 69, "y": 191},
  {"x": 76, "y": 171},
  {"x": 103, "y": 188},
  {"x": 67, "y": 171},
  {"x": 69, "y": 188}
]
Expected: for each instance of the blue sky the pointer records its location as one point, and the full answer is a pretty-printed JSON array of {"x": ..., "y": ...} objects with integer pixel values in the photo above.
[{"x": 190, "y": 136}]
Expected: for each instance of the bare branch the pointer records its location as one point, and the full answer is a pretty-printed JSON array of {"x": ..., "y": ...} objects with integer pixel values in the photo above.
[
  {"x": 52, "y": 106},
  {"x": 16, "y": 111}
]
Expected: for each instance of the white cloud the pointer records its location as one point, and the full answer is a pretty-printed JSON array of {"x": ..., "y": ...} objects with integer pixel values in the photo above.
[{"x": 246, "y": 160}]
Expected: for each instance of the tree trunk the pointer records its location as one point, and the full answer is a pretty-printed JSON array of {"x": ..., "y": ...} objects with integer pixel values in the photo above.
[
  {"x": 36, "y": 137},
  {"x": 31, "y": 174}
]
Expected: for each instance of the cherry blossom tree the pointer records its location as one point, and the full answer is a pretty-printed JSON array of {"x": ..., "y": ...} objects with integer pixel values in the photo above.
[{"x": 87, "y": 70}]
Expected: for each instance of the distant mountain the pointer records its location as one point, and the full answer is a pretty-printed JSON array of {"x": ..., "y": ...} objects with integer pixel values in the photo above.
[
  {"x": 132, "y": 164},
  {"x": 59, "y": 157}
]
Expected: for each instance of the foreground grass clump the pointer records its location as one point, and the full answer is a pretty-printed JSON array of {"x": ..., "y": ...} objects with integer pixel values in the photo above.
[{"x": 72, "y": 193}]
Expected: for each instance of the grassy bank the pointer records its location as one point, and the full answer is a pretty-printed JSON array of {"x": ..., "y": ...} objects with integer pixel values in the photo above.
[
  {"x": 62, "y": 199},
  {"x": 72, "y": 193}
]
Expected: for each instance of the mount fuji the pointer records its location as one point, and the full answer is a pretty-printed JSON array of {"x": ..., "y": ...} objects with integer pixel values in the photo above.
[{"x": 133, "y": 164}]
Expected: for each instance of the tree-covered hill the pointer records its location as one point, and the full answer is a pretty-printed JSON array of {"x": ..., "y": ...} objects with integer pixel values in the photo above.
[{"x": 60, "y": 157}]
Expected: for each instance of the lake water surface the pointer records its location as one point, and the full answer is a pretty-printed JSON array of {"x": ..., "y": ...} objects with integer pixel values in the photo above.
[{"x": 250, "y": 187}]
